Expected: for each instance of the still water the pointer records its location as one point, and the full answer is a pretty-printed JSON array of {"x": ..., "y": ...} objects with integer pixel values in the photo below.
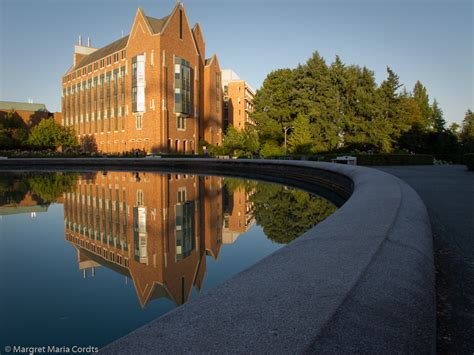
[{"x": 89, "y": 257}]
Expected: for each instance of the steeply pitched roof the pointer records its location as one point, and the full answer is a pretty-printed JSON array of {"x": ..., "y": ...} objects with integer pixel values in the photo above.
[
  {"x": 157, "y": 24},
  {"x": 22, "y": 106},
  {"x": 102, "y": 52}
]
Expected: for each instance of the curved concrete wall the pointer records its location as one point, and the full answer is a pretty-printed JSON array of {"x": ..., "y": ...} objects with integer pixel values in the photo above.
[{"x": 360, "y": 281}]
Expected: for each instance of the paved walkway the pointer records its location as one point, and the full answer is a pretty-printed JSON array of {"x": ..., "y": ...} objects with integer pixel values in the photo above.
[{"x": 448, "y": 193}]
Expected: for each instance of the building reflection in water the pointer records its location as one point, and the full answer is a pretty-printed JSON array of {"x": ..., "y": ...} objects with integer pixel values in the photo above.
[
  {"x": 159, "y": 229},
  {"x": 155, "y": 229}
]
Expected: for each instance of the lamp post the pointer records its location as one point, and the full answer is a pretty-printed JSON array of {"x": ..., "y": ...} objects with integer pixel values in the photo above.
[{"x": 285, "y": 129}]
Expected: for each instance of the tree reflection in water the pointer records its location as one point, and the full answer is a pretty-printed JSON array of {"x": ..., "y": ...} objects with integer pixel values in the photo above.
[
  {"x": 284, "y": 213},
  {"x": 159, "y": 230}
]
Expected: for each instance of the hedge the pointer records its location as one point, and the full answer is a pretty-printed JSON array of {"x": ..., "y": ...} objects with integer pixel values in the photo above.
[
  {"x": 394, "y": 159},
  {"x": 370, "y": 159},
  {"x": 67, "y": 154},
  {"x": 469, "y": 161}
]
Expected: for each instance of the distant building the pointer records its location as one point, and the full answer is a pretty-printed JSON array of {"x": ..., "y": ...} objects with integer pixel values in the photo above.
[
  {"x": 28, "y": 204},
  {"x": 238, "y": 100},
  {"x": 238, "y": 214},
  {"x": 31, "y": 114},
  {"x": 153, "y": 89}
]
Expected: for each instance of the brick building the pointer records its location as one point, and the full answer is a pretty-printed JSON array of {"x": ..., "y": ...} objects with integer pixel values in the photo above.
[
  {"x": 152, "y": 89},
  {"x": 238, "y": 100},
  {"x": 154, "y": 229},
  {"x": 238, "y": 214},
  {"x": 29, "y": 113}
]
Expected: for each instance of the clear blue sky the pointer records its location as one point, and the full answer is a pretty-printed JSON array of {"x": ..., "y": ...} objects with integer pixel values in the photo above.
[{"x": 430, "y": 41}]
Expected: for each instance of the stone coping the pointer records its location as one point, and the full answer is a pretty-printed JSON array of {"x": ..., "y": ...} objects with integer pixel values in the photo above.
[{"x": 361, "y": 281}]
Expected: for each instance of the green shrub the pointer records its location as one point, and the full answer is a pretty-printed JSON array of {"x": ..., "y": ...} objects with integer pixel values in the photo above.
[
  {"x": 368, "y": 159},
  {"x": 270, "y": 149},
  {"x": 469, "y": 161},
  {"x": 394, "y": 159},
  {"x": 215, "y": 151}
]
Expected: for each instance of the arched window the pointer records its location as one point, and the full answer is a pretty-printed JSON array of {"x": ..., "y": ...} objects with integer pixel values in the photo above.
[{"x": 184, "y": 146}]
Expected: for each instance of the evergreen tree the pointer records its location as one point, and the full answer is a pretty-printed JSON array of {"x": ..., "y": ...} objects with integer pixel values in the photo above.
[
  {"x": 341, "y": 106},
  {"x": 455, "y": 129},
  {"x": 467, "y": 132},
  {"x": 273, "y": 105},
  {"x": 421, "y": 98},
  {"x": 365, "y": 126},
  {"x": 439, "y": 122},
  {"x": 389, "y": 95},
  {"x": 285, "y": 214},
  {"x": 410, "y": 114},
  {"x": 300, "y": 141},
  {"x": 316, "y": 97}
]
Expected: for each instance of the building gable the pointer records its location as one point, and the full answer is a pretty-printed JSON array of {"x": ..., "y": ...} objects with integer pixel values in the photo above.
[
  {"x": 199, "y": 40},
  {"x": 140, "y": 27},
  {"x": 175, "y": 18}
]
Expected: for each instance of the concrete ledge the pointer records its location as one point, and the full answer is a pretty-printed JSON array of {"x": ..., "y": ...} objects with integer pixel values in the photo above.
[{"x": 361, "y": 281}]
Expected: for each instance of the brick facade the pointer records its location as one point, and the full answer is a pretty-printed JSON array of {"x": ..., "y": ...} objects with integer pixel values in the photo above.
[
  {"x": 155, "y": 229},
  {"x": 99, "y": 91},
  {"x": 238, "y": 101}
]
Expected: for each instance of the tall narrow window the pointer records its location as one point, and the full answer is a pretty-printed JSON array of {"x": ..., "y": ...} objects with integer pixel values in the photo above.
[
  {"x": 182, "y": 86},
  {"x": 138, "y": 122},
  {"x": 64, "y": 101},
  {"x": 95, "y": 103},
  {"x": 117, "y": 217},
  {"x": 108, "y": 77},
  {"x": 110, "y": 219},
  {"x": 70, "y": 105},
  {"x": 140, "y": 198},
  {"x": 185, "y": 230},
  {"x": 218, "y": 97},
  {"x": 102, "y": 103},
  {"x": 116, "y": 111},
  {"x": 138, "y": 83},
  {"x": 84, "y": 108},
  {"x": 180, "y": 123},
  {"x": 89, "y": 99},
  {"x": 73, "y": 105},
  {"x": 122, "y": 95},
  {"x": 104, "y": 217},
  {"x": 181, "y": 23},
  {"x": 78, "y": 120},
  {"x": 86, "y": 212},
  {"x": 124, "y": 220},
  {"x": 134, "y": 84},
  {"x": 97, "y": 212}
]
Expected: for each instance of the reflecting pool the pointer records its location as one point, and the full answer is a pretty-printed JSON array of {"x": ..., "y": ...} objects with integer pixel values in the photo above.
[{"x": 89, "y": 257}]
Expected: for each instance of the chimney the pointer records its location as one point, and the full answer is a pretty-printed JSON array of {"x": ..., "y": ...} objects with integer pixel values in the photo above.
[{"x": 80, "y": 50}]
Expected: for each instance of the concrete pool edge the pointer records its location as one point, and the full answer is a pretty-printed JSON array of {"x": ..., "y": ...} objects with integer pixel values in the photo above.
[{"x": 360, "y": 281}]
